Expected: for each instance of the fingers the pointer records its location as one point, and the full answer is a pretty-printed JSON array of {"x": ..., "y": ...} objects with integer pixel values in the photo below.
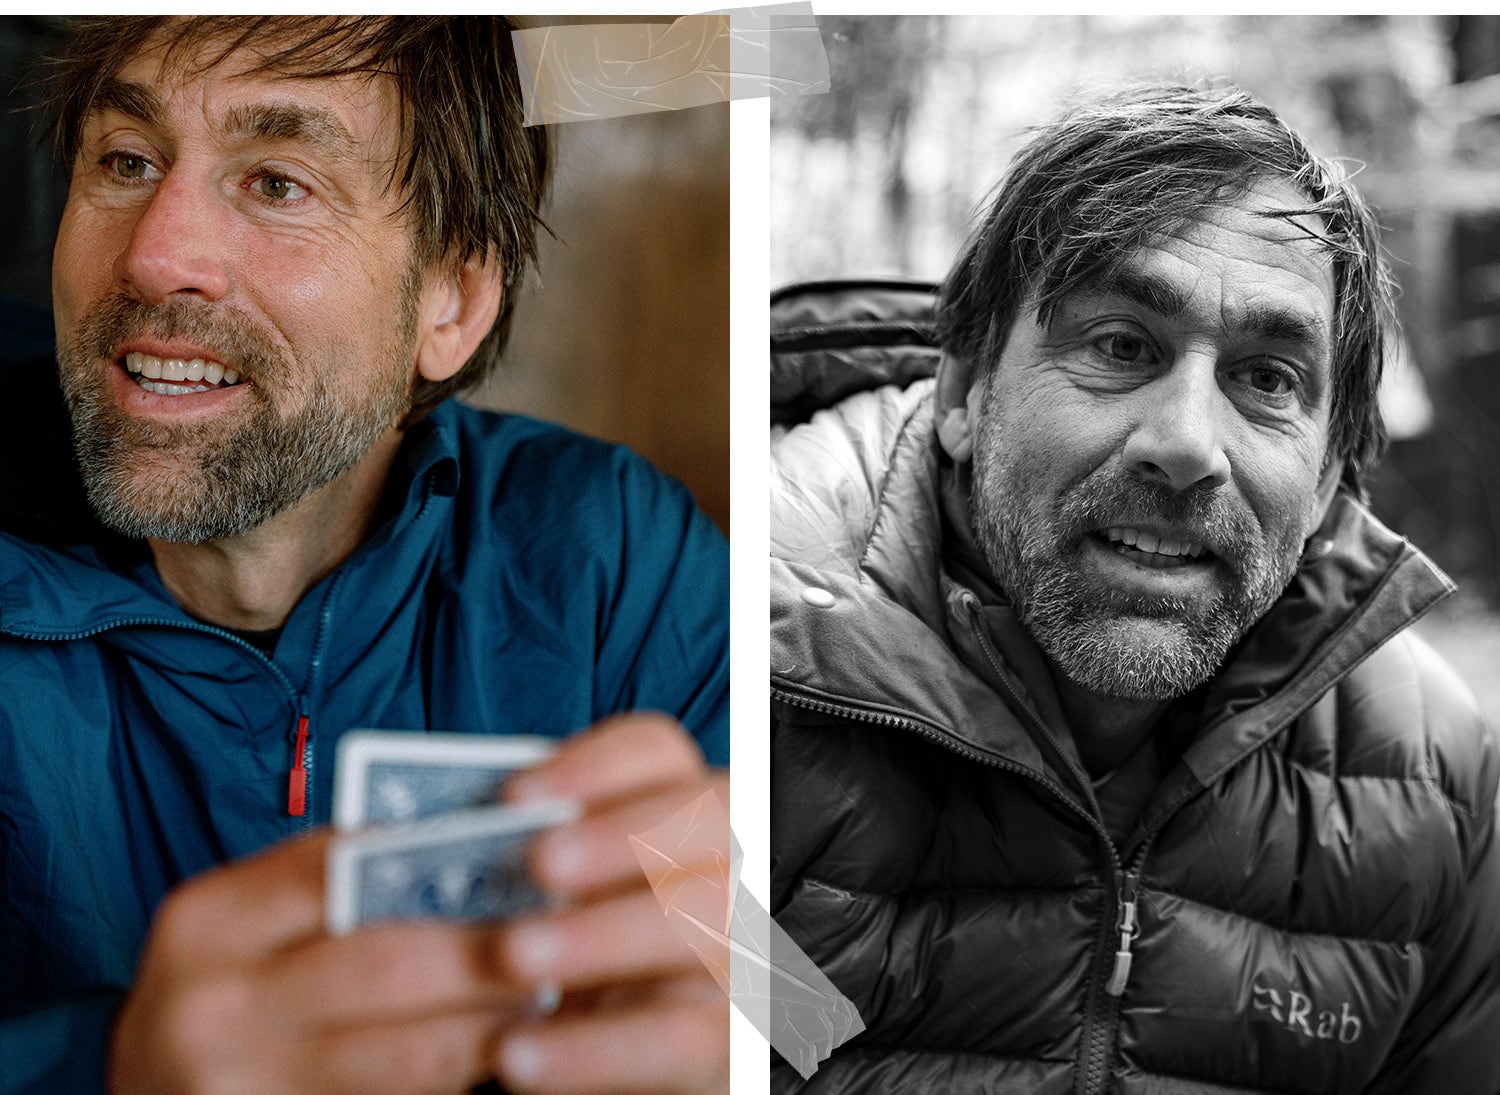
[
  {"x": 616, "y": 758},
  {"x": 620, "y": 939},
  {"x": 665, "y": 1044},
  {"x": 386, "y": 971},
  {"x": 248, "y": 908},
  {"x": 449, "y": 1053},
  {"x": 595, "y": 853}
]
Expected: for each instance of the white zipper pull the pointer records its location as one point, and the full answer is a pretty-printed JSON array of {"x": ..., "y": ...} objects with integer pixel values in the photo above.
[{"x": 1128, "y": 931}]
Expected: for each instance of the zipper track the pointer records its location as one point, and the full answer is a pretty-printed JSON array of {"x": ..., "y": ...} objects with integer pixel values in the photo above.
[
  {"x": 158, "y": 621},
  {"x": 827, "y": 708}
]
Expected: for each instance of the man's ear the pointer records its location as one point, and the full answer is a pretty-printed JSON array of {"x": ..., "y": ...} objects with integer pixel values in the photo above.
[
  {"x": 956, "y": 407},
  {"x": 456, "y": 309}
]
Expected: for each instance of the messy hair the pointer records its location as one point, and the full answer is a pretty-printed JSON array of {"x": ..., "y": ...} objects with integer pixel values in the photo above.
[
  {"x": 1093, "y": 187},
  {"x": 471, "y": 177}
]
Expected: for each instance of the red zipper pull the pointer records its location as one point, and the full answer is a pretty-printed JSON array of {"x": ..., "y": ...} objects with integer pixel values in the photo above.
[{"x": 296, "y": 791}]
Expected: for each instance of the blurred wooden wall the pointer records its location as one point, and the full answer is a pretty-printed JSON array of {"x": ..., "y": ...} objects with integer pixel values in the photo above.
[{"x": 623, "y": 330}]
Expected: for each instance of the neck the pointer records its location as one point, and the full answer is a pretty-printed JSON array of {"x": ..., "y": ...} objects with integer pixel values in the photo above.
[
  {"x": 253, "y": 580},
  {"x": 1106, "y": 729}
]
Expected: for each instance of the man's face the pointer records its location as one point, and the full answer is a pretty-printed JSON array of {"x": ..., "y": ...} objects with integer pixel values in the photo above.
[
  {"x": 233, "y": 294},
  {"x": 1146, "y": 468}
]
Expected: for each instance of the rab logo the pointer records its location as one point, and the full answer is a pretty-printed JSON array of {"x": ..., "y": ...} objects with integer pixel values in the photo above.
[{"x": 1295, "y": 1011}]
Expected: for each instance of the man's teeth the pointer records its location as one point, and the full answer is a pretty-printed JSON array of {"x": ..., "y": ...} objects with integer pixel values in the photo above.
[
  {"x": 1156, "y": 545},
  {"x": 147, "y": 368}
]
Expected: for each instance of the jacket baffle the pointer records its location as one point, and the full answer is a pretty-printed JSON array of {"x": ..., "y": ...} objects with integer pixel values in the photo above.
[
  {"x": 1308, "y": 902},
  {"x": 525, "y": 581}
]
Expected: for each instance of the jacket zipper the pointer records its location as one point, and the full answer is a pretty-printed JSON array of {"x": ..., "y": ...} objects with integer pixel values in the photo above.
[
  {"x": 296, "y": 792},
  {"x": 302, "y": 755},
  {"x": 1128, "y": 929},
  {"x": 302, "y": 760}
]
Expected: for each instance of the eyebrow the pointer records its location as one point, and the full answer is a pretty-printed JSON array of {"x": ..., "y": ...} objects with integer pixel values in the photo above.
[
  {"x": 290, "y": 122},
  {"x": 275, "y": 121},
  {"x": 133, "y": 100},
  {"x": 1264, "y": 321},
  {"x": 1146, "y": 289}
]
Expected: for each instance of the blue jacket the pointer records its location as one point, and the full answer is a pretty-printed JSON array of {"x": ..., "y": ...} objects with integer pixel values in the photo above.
[{"x": 526, "y": 581}]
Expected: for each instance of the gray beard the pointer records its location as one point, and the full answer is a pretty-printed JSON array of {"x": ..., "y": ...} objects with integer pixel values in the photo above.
[
  {"x": 1091, "y": 631},
  {"x": 207, "y": 485}
]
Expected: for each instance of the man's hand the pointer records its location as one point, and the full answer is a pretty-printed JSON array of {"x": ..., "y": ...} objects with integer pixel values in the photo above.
[
  {"x": 640, "y": 1011},
  {"x": 241, "y": 989}
]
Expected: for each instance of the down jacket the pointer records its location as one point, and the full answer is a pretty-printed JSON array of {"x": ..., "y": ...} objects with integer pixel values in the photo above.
[
  {"x": 1309, "y": 901},
  {"x": 526, "y": 580}
]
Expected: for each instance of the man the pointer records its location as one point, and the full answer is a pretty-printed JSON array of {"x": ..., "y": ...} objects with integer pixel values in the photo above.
[
  {"x": 286, "y": 242},
  {"x": 1102, "y": 761}
]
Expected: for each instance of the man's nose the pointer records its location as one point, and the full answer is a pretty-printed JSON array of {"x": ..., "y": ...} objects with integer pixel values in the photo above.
[
  {"x": 1178, "y": 440},
  {"x": 177, "y": 244}
]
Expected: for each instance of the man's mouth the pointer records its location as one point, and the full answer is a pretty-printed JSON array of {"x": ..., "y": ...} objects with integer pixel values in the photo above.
[
  {"x": 1151, "y": 550},
  {"x": 175, "y": 376}
]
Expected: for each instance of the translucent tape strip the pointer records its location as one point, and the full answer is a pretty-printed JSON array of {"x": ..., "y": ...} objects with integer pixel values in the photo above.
[
  {"x": 779, "y": 989},
  {"x": 575, "y": 73}
]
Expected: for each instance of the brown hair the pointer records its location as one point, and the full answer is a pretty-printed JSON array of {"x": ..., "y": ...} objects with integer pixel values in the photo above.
[
  {"x": 473, "y": 178},
  {"x": 1099, "y": 183}
]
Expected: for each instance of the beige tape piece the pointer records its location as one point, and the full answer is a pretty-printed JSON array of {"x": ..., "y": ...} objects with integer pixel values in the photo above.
[
  {"x": 606, "y": 70},
  {"x": 692, "y": 862}
]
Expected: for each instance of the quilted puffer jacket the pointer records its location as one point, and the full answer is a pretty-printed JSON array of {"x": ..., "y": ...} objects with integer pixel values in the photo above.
[{"x": 1308, "y": 902}]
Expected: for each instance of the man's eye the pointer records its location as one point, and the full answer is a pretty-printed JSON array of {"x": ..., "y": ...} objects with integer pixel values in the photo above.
[
  {"x": 1127, "y": 348},
  {"x": 126, "y": 165},
  {"x": 278, "y": 188},
  {"x": 1268, "y": 380}
]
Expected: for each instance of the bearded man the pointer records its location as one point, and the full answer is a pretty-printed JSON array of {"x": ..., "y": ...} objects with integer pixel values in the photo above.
[
  {"x": 287, "y": 242},
  {"x": 1103, "y": 761}
]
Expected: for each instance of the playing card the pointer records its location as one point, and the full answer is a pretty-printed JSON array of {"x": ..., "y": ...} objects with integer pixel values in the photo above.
[
  {"x": 463, "y": 866},
  {"x": 402, "y": 775}
]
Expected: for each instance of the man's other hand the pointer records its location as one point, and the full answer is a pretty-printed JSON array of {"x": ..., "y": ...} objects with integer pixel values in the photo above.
[{"x": 640, "y": 1011}]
